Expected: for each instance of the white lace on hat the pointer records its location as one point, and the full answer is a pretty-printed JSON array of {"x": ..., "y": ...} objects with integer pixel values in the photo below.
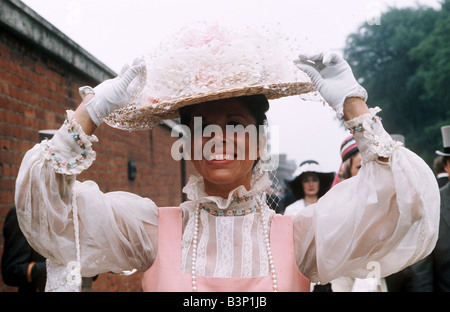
[{"x": 206, "y": 62}]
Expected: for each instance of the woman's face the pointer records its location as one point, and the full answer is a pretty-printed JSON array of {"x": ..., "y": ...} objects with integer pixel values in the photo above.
[
  {"x": 223, "y": 170},
  {"x": 311, "y": 184},
  {"x": 447, "y": 164},
  {"x": 356, "y": 164}
]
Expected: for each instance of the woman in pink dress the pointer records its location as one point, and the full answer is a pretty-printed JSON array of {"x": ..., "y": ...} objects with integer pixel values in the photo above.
[{"x": 224, "y": 237}]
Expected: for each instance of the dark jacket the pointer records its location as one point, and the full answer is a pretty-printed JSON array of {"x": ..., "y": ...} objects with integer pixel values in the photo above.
[
  {"x": 442, "y": 181},
  {"x": 433, "y": 272},
  {"x": 441, "y": 253},
  {"x": 17, "y": 255}
]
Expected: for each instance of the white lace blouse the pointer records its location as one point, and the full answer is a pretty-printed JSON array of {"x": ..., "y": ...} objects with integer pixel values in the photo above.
[{"x": 388, "y": 214}]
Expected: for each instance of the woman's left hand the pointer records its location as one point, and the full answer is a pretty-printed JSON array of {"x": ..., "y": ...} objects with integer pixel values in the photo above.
[{"x": 333, "y": 78}]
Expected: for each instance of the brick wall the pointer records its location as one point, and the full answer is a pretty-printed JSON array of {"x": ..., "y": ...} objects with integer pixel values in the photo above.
[{"x": 36, "y": 88}]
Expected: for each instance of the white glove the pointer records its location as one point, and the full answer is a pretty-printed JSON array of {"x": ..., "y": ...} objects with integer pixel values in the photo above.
[
  {"x": 333, "y": 78},
  {"x": 115, "y": 93}
]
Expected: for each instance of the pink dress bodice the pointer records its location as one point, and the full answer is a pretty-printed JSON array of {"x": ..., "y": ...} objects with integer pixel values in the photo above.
[{"x": 166, "y": 274}]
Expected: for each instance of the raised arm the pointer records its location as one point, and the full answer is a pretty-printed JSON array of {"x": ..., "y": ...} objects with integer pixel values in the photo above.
[
  {"x": 383, "y": 219},
  {"x": 71, "y": 222}
]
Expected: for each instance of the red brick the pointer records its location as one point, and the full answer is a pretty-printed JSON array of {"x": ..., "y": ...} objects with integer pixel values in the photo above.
[{"x": 35, "y": 92}]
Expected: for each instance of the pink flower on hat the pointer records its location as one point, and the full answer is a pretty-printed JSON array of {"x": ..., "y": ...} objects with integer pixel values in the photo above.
[{"x": 196, "y": 38}]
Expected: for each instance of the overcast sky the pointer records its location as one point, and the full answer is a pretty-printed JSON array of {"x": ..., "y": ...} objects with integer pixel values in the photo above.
[{"x": 117, "y": 31}]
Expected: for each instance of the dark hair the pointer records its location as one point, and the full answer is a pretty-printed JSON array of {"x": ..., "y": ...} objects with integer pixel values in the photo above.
[
  {"x": 346, "y": 169},
  {"x": 325, "y": 180},
  {"x": 439, "y": 164},
  {"x": 257, "y": 106},
  {"x": 446, "y": 160}
]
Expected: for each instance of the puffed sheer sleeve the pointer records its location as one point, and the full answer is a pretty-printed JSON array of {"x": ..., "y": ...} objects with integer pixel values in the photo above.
[
  {"x": 376, "y": 223},
  {"x": 56, "y": 213}
]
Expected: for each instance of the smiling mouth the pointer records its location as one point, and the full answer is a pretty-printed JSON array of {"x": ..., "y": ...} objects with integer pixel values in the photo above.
[{"x": 220, "y": 157}]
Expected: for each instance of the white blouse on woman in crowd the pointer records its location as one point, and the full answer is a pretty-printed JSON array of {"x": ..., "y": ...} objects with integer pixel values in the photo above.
[{"x": 388, "y": 213}]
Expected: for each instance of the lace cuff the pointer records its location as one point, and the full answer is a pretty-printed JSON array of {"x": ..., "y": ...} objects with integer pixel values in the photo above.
[
  {"x": 70, "y": 150},
  {"x": 372, "y": 140}
]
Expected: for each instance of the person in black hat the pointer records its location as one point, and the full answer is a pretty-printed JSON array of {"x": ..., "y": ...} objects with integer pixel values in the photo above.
[
  {"x": 441, "y": 253},
  {"x": 309, "y": 184},
  {"x": 439, "y": 170},
  {"x": 446, "y": 152}
]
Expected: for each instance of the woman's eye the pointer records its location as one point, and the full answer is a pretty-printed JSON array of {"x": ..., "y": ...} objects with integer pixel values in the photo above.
[{"x": 235, "y": 123}]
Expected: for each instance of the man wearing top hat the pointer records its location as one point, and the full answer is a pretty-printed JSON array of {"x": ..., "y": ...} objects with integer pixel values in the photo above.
[
  {"x": 446, "y": 152},
  {"x": 441, "y": 253}
]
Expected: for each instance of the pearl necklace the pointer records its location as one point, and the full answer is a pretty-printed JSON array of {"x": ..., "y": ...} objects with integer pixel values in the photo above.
[{"x": 265, "y": 226}]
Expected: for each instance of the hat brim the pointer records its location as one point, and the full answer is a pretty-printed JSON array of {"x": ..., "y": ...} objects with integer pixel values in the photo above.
[
  {"x": 326, "y": 180},
  {"x": 146, "y": 117},
  {"x": 442, "y": 153}
]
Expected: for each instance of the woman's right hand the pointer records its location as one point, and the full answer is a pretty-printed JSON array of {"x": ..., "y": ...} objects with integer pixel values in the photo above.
[{"x": 115, "y": 93}]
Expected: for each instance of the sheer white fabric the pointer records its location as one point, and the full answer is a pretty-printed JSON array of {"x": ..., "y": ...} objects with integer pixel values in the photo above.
[
  {"x": 229, "y": 246},
  {"x": 295, "y": 207},
  {"x": 388, "y": 213}
]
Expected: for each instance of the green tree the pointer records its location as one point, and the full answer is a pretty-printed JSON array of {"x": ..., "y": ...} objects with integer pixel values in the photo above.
[
  {"x": 404, "y": 65},
  {"x": 433, "y": 73}
]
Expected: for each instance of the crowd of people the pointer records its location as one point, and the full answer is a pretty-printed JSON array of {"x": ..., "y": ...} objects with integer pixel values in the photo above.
[{"x": 429, "y": 274}]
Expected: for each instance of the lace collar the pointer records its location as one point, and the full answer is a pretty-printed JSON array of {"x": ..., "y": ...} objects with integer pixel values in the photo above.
[{"x": 195, "y": 191}]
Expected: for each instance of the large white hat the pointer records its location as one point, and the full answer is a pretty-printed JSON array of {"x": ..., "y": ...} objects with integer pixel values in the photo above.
[
  {"x": 207, "y": 62},
  {"x": 446, "y": 141},
  {"x": 325, "y": 178}
]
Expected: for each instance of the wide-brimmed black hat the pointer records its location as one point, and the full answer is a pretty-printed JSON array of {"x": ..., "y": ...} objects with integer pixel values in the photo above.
[{"x": 325, "y": 178}]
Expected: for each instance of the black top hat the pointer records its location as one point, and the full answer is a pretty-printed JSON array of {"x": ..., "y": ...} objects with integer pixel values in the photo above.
[{"x": 446, "y": 141}]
